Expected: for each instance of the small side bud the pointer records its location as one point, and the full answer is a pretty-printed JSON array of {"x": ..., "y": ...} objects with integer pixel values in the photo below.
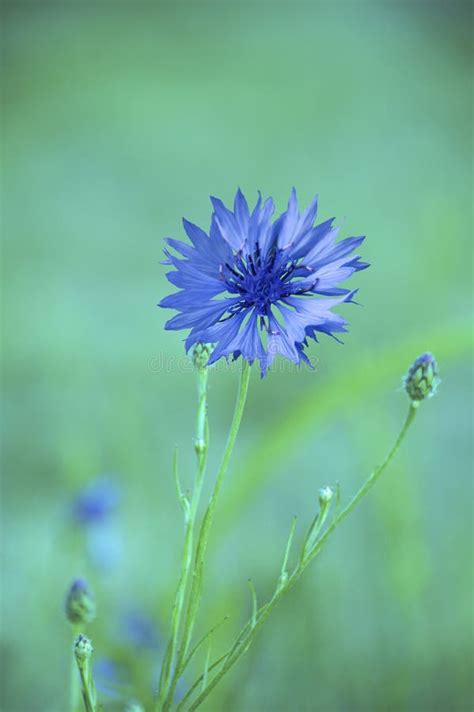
[
  {"x": 422, "y": 379},
  {"x": 325, "y": 496},
  {"x": 199, "y": 447},
  {"x": 80, "y": 603},
  {"x": 82, "y": 649},
  {"x": 201, "y": 353}
]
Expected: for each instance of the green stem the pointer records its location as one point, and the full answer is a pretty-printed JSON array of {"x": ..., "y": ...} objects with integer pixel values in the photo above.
[
  {"x": 249, "y": 631},
  {"x": 196, "y": 585},
  {"x": 201, "y": 447},
  {"x": 88, "y": 694},
  {"x": 201, "y": 441},
  {"x": 197, "y": 682},
  {"x": 315, "y": 529},
  {"x": 74, "y": 683},
  {"x": 368, "y": 484}
]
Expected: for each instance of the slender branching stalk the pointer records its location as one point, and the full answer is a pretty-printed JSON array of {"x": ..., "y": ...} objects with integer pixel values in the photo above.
[
  {"x": 313, "y": 543},
  {"x": 190, "y": 510},
  {"x": 165, "y": 699}
]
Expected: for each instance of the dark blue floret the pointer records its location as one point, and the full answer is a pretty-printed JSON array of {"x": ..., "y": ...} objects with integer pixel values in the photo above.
[{"x": 257, "y": 288}]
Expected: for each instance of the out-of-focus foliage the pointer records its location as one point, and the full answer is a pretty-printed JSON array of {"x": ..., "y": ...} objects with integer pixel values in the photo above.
[{"x": 117, "y": 120}]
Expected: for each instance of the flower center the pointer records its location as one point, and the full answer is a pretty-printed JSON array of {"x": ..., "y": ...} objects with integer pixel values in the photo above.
[{"x": 259, "y": 285}]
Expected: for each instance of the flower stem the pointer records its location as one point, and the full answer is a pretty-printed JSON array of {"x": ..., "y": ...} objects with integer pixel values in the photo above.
[
  {"x": 196, "y": 585},
  {"x": 201, "y": 447},
  {"x": 74, "y": 682},
  {"x": 250, "y": 629},
  {"x": 83, "y": 654},
  {"x": 88, "y": 691},
  {"x": 368, "y": 484}
]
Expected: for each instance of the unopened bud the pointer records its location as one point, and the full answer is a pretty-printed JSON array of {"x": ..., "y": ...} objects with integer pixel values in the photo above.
[
  {"x": 422, "y": 379},
  {"x": 201, "y": 353},
  {"x": 80, "y": 604},
  {"x": 199, "y": 447},
  {"x": 325, "y": 496},
  {"x": 82, "y": 649}
]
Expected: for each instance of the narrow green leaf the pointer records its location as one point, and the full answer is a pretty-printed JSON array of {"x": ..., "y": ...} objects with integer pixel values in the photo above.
[
  {"x": 201, "y": 641},
  {"x": 254, "y": 602},
  {"x": 206, "y": 668},
  {"x": 284, "y": 573},
  {"x": 183, "y": 500}
]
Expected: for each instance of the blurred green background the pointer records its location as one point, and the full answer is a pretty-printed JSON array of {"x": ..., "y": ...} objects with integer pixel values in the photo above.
[{"x": 120, "y": 118}]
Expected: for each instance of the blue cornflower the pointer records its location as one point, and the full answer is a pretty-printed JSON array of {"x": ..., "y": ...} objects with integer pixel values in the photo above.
[{"x": 257, "y": 288}]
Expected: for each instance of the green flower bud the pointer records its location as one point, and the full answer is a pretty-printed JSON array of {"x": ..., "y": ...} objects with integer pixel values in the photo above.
[
  {"x": 82, "y": 649},
  {"x": 201, "y": 353},
  {"x": 422, "y": 379},
  {"x": 200, "y": 447},
  {"x": 80, "y": 604},
  {"x": 325, "y": 496}
]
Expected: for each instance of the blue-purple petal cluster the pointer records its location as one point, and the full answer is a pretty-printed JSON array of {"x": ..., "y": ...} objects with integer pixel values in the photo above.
[{"x": 257, "y": 287}]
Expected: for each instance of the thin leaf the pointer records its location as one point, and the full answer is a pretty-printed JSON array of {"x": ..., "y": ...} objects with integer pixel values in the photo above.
[
  {"x": 284, "y": 573},
  {"x": 254, "y": 602},
  {"x": 203, "y": 640},
  {"x": 183, "y": 500}
]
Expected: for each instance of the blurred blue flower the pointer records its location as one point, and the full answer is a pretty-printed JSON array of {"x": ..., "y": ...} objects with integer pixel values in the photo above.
[
  {"x": 265, "y": 276},
  {"x": 96, "y": 501},
  {"x": 139, "y": 630},
  {"x": 93, "y": 508},
  {"x": 111, "y": 679}
]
